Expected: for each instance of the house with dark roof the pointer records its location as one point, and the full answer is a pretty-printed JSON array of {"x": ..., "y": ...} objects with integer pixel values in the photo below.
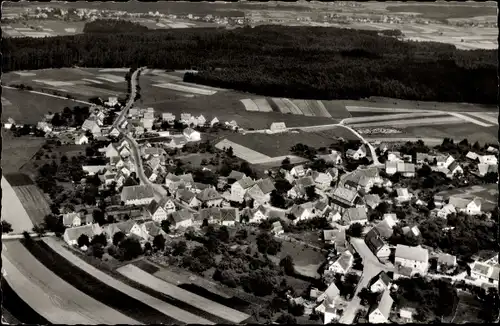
[
  {"x": 209, "y": 197},
  {"x": 343, "y": 264},
  {"x": 240, "y": 188},
  {"x": 376, "y": 244},
  {"x": 261, "y": 191},
  {"x": 355, "y": 215},
  {"x": 229, "y": 216},
  {"x": 181, "y": 219},
  {"x": 372, "y": 201},
  {"x": 211, "y": 214},
  {"x": 156, "y": 211},
  {"x": 137, "y": 195},
  {"x": 466, "y": 205},
  {"x": 235, "y": 176},
  {"x": 151, "y": 229},
  {"x": 385, "y": 229},
  {"x": 380, "y": 312},
  {"x": 188, "y": 198},
  {"x": 321, "y": 208},
  {"x": 343, "y": 198},
  {"x": 380, "y": 283}
]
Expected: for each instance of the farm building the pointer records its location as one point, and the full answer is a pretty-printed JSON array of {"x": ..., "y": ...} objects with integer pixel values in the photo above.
[
  {"x": 379, "y": 313},
  {"x": 71, "y": 235},
  {"x": 277, "y": 127},
  {"x": 137, "y": 195},
  {"x": 415, "y": 258}
]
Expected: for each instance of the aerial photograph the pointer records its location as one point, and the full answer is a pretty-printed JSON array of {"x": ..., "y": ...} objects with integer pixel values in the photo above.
[{"x": 248, "y": 162}]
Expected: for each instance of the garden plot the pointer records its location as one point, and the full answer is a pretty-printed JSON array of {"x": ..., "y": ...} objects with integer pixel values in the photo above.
[
  {"x": 92, "y": 81},
  {"x": 411, "y": 122},
  {"x": 79, "y": 307},
  {"x": 469, "y": 119},
  {"x": 186, "y": 89},
  {"x": 374, "y": 109},
  {"x": 250, "y": 105},
  {"x": 263, "y": 105},
  {"x": 242, "y": 152},
  {"x": 161, "y": 306},
  {"x": 399, "y": 116},
  {"x": 136, "y": 274},
  {"x": 302, "y": 105},
  {"x": 111, "y": 78}
]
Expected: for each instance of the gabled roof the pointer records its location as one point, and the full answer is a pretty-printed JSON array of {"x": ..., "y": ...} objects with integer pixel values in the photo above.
[
  {"x": 331, "y": 293},
  {"x": 481, "y": 268},
  {"x": 458, "y": 202},
  {"x": 188, "y": 177},
  {"x": 230, "y": 214},
  {"x": 321, "y": 205},
  {"x": 210, "y": 213},
  {"x": 298, "y": 169},
  {"x": 412, "y": 253},
  {"x": 137, "y": 192},
  {"x": 345, "y": 260},
  {"x": 69, "y": 218},
  {"x": 89, "y": 230},
  {"x": 384, "y": 229},
  {"x": 208, "y": 194},
  {"x": 189, "y": 131},
  {"x": 447, "y": 259},
  {"x": 344, "y": 195},
  {"x": 305, "y": 182},
  {"x": 152, "y": 207},
  {"x": 245, "y": 182},
  {"x": 181, "y": 215},
  {"x": 297, "y": 210},
  {"x": 266, "y": 185},
  {"x": 236, "y": 175},
  {"x": 354, "y": 214},
  {"x": 329, "y": 235},
  {"x": 372, "y": 200},
  {"x": 453, "y": 166},
  {"x": 186, "y": 195},
  {"x": 385, "y": 304}
]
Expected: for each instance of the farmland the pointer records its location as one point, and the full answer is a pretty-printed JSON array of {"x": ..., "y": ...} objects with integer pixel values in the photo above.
[
  {"x": 34, "y": 201},
  {"x": 18, "y": 151},
  {"x": 42, "y": 28},
  {"x": 12, "y": 304},
  {"x": 73, "y": 301},
  {"x": 13, "y": 210}
]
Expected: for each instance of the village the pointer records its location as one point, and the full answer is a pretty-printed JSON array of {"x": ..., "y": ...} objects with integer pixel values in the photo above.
[{"x": 372, "y": 220}]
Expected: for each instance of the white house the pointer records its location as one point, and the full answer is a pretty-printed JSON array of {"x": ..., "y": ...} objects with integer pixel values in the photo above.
[
  {"x": 168, "y": 117},
  {"x": 356, "y": 154},
  {"x": 298, "y": 171},
  {"x": 112, "y": 101},
  {"x": 301, "y": 213},
  {"x": 229, "y": 216},
  {"x": 214, "y": 121},
  {"x": 380, "y": 312},
  {"x": 446, "y": 261},
  {"x": 156, "y": 211},
  {"x": 322, "y": 180},
  {"x": 488, "y": 159},
  {"x": 191, "y": 134},
  {"x": 416, "y": 258},
  {"x": 381, "y": 282},
  {"x": 277, "y": 228},
  {"x": 71, "y": 235},
  {"x": 343, "y": 264},
  {"x": 81, "y": 139},
  {"x": 200, "y": 120},
  {"x": 257, "y": 215},
  {"x": 240, "y": 187},
  {"x": 277, "y": 127},
  {"x": 485, "y": 273},
  {"x": 446, "y": 210},
  {"x": 467, "y": 206},
  {"x": 137, "y": 195},
  {"x": 182, "y": 218},
  {"x": 328, "y": 300},
  {"x": 92, "y": 126},
  {"x": 355, "y": 215},
  {"x": 403, "y": 195},
  {"x": 72, "y": 219}
]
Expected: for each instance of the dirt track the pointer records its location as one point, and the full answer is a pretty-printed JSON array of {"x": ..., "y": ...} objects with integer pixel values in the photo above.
[
  {"x": 157, "y": 304},
  {"x": 49, "y": 295}
]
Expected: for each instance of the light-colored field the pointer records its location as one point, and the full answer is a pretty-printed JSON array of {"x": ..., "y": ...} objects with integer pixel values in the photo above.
[
  {"x": 242, "y": 152},
  {"x": 92, "y": 81},
  {"x": 281, "y": 105},
  {"x": 250, "y": 105},
  {"x": 427, "y": 141},
  {"x": 25, "y": 73},
  {"x": 293, "y": 108},
  {"x": 302, "y": 105},
  {"x": 202, "y": 86},
  {"x": 34, "y": 202},
  {"x": 470, "y": 119},
  {"x": 187, "y": 89},
  {"x": 157, "y": 304},
  {"x": 115, "y": 70},
  {"x": 376, "y": 109},
  {"x": 489, "y": 117},
  {"x": 399, "y": 116},
  {"x": 5, "y": 101},
  {"x": 78, "y": 308},
  {"x": 411, "y": 122},
  {"x": 138, "y": 275},
  {"x": 54, "y": 83},
  {"x": 13, "y": 210},
  {"x": 263, "y": 105}
]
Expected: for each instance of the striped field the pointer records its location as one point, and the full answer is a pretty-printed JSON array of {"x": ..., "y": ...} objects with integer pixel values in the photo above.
[
  {"x": 186, "y": 89},
  {"x": 309, "y": 108},
  {"x": 411, "y": 122}
]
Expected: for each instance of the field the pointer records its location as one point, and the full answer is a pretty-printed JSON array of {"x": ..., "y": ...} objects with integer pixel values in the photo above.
[
  {"x": 306, "y": 260},
  {"x": 34, "y": 201},
  {"x": 72, "y": 303},
  {"x": 42, "y": 28},
  {"x": 309, "y": 108},
  {"x": 140, "y": 276},
  {"x": 13, "y": 210},
  {"x": 467, "y": 309},
  {"x": 12, "y": 304},
  {"x": 17, "y": 151},
  {"x": 441, "y": 12},
  {"x": 488, "y": 193}
]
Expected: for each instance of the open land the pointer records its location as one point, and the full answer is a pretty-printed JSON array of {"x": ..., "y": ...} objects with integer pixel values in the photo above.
[
  {"x": 17, "y": 151},
  {"x": 306, "y": 260},
  {"x": 42, "y": 28},
  {"x": 488, "y": 193},
  {"x": 467, "y": 309},
  {"x": 13, "y": 210},
  {"x": 34, "y": 201}
]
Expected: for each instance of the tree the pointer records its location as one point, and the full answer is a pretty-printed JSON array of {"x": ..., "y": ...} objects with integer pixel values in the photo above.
[
  {"x": 165, "y": 226},
  {"x": 242, "y": 234},
  {"x": 286, "y": 164},
  {"x": 490, "y": 307},
  {"x": 229, "y": 152},
  {"x": 266, "y": 244},
  {"x": 311, "y": 193},
  {"x": 296, "y": 309},
  {"x": 286, "y": 319},
  {"x": 118, "y": 237},
  {"x": 6, "y": 227},
  {"x": 99, "y": 239},
  {"x": 83, "y": 240},
  {"x": 179, "y": 248},
  {"x": 53, "y": 223},
  {"x": 287, "y": 264},
  {"x": 355, "y": 230},
  {"x": 277, "y": 200},
  {"x": 159, "y": 242},
  {"x": 148, "y": 248},
  {"x": 98, "y": 216},
  {"x": 131, "y": 248}
]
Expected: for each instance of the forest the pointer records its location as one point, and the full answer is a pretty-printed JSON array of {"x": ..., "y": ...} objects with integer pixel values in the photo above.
[{"x": 279, "y": 61}]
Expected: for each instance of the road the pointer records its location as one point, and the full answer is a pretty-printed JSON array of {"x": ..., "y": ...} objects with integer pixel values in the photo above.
[
  {"x": 131, "y": 99},
  {"x": 371, "y": 268}
]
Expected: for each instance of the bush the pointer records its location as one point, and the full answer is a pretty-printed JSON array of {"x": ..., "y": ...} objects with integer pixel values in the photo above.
[
  {"x": 6, "y": 227},
  {"x": 179, "y": 248},
  {"x": 83, "y": 240}
]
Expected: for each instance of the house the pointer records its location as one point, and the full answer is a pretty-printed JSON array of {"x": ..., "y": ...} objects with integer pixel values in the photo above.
[
  {"x": 343, "y": 198},
  {"x": 467, "y": 206},
  {"x": 81, "y": 139},
  {"x": 406, "y": 314},
  {"x": 137, "y": 195},
  {"x": 261, "y": 191},
  {"x": 322, "y": 180},
  {"x": 297, "y": 191},
  {"x": 380, "y": 283},
  {"x": 356, "y": 154},
  {"x": 439, "y": 201},
  {"x": 111, "y": 151},
  {"x": 406, "y": 169},
  {"x": 211, "y": 214},
  {"x": 168, "y": 117},
  {"x": 92, "y": 126},
  {"x": 72, "y": 219},
  {"x": 177, "y": 142},
  {"x": 391, "y": 167},
  {"x": 485, "y": 273},
  {"x": 209, "y": 197},
  {"x": 340, "y": 241},
  {"x": 300, "y": 213},
  {"x": 200, "y": 120},
  {"x": 394, "y": 156},
  {"x": 486, "y": 168},
  {"x": 383, "y": 147},
  {"x": 343, "y": 264},
  {"x": 191, "y": 134},
  {"x": 93, "y": 169},
  {"x": 156, "y": 211},
  {"x": 229, "y": 216},
  {"x": 232, "y": 124},
  {"x": 329, "y": 235},
  {"x": 298, "y": 171},
  {"x": 446, "y": 262},
  {"x": 214, "y": 121},
  {"x": 416, "y": 258},
  {"x": 376, "y": 244},
  {"x": 235, "y": 176},
  {"x": 372, "y": 201},
  {"x": 188, "y": 198},
  {"x": 380, "y": 312},
  {"x": 277, "y": 127},
  {"x": 327, "y": 307},
  {"x": 320, "y": 208},
  {"x": 454, "y": 169},
  {"x": 151, "y": 230},
  {"x": 240, "y": 188},
  {"x": 124, "y": 152},
  {"x": 492, "y": 149},
  {"x": 257, "y": 215},
  {"x": 71, "y": 235},
  {"x": 385, "y": 229},
  {"x": 424, "y": 158},
  {"x": 391, "y": 219},
  {"x": 44, "y": 126},
  {"x": 182, "y": 218},
  {"x": 413, "y": 230},
  {"x": 185, "y": 118},
  {"x": 363, "y": 179},
  {"x": 471, "y": 155},
  {"x": 446, "y": 210},
  {"x": 277, "y": 228},
  {"x": 333, "y": 172},
  {"x": 403, "y": 195},
  {"x": 488, "y": 159},
  {"x": 355, "y": 215}
]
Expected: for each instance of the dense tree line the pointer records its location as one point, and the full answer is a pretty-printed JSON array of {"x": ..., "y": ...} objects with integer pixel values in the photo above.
[
  {"x": 113, "y": 26},
  {"x": 297, "y": 62}
]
